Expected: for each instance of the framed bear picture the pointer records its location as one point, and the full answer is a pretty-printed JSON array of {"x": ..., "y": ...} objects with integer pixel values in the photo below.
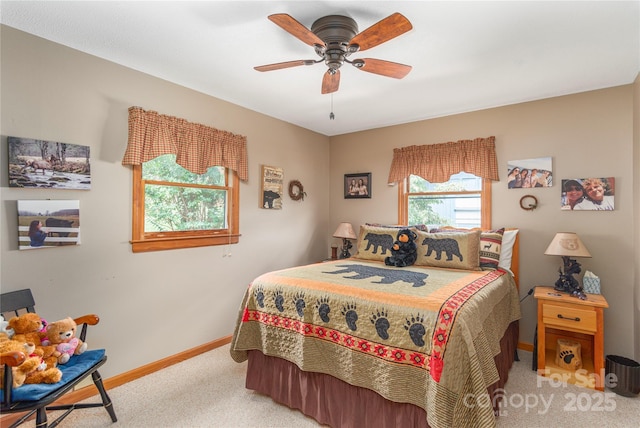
[{"x": 271, "y": 187}]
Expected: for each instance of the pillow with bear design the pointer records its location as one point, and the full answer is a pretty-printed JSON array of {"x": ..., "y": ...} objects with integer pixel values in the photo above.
[
  {"x": 490, "y": 245},
  {"x": 449, "y": 250},
  {"x": 375, "y": 242}
]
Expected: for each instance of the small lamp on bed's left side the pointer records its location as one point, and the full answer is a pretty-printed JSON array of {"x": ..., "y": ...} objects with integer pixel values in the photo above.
[{"x": 345, "y": 231}]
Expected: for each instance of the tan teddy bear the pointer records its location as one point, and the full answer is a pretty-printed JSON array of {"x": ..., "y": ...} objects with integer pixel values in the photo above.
[
  {"x": 32, "y": 369},
  {"x": 62, "y": 334},
  {"x": 29, "y": 328}
]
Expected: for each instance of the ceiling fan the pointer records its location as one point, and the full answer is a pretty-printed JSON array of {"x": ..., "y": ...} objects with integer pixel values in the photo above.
[{"x": 336, "y": 37}]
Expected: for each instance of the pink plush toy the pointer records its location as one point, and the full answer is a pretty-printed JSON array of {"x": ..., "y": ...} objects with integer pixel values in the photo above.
[{"x": 62, "y": 334}]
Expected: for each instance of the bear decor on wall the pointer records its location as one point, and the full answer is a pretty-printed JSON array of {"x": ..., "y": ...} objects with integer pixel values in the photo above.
[{"x": 272, "y": 188}]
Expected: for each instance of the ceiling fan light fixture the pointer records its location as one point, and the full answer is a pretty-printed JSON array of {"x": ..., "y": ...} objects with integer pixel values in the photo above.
[
  {"x": 335, "y": 37},
  {"x": 335, "y": 29}
]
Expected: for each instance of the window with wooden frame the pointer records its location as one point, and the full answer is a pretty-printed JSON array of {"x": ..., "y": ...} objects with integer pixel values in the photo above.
[
  {"x": 175, "y": 208},
  {"x": 464, "y": 201}
]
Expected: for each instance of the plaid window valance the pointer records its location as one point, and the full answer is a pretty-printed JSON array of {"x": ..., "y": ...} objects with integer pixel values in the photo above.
[
  {"x": 437, "y": 162},
  {"x": 197, "y": 147}
]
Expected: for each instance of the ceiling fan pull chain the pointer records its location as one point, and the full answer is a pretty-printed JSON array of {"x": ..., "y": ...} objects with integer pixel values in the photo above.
[{"x": 331, "y": 115}]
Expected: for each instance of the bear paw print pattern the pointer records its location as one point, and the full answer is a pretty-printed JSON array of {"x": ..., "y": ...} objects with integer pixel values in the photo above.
[
  {"x": 416, "y": 329},
  {"x": 259, "y": 293},
  {"x": 322, "y": 305},
  {"x": 350, "y": 315},
  {"x": 567, "y": 356},
  {"x": 278, "y": 300},
  {"x": 381, "y": 323},
  {"x": 298, "y": 301}
]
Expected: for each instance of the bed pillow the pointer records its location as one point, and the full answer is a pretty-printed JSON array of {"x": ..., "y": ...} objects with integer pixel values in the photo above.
[
  {"x": 460, "y": 250},
  {"x": 490, "y": 248},
  {"x": 375, "y": 242},
  {"x": 506, "y": 254},
  {"x": 490, "y": 245}
]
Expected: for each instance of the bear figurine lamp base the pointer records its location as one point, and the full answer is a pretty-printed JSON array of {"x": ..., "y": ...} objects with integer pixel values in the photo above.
[
  {"x": 567, "y": 245},
  {"x": 345, "y": 231}
]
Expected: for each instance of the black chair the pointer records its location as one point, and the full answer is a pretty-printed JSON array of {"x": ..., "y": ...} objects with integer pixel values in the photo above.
[{"x": 36, "y": 398}]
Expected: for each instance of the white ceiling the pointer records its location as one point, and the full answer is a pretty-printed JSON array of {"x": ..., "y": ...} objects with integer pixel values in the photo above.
[{"x": 465, "y": 55}]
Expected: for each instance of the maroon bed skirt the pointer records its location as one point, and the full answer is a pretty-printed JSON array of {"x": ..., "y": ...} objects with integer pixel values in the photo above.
[{"x": 333, "y": 402}]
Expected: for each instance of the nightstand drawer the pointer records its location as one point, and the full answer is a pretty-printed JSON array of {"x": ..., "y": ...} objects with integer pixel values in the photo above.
[{"x": 569, "y": 318}]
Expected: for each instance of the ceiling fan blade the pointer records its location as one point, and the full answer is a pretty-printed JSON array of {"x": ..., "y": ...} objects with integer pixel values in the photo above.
[
  {"x": 293, "y": 27},
  {"x": 382, "y": 31},
  {"x": 281, "y": 65},
  {"x": 385, "y": 68},
  {"x": 330, "y": 82}
]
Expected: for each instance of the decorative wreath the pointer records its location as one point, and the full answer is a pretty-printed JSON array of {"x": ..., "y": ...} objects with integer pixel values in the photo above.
[
  {"x": 296, "y": 191},
  {"x": 531, "y": 206}
]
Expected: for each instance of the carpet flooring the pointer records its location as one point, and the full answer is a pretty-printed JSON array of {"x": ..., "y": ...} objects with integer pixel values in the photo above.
[{"x": 208, "y": 391}]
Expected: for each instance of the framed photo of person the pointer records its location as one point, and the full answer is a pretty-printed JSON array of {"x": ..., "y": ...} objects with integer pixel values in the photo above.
[
  {"x": 529, "y": 173},
  {"x": 590, "y": 194},
  {"x": 48, "y": 224},
  {"x": 357, "y": 185}
]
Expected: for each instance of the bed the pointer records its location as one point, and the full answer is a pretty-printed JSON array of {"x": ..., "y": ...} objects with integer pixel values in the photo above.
[{"x": 355, "y": 342}]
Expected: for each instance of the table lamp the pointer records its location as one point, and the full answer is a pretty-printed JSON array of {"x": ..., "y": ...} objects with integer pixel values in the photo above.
[
  {"x": 345, "y": 231},
  {"x": 567, "y": 245}
]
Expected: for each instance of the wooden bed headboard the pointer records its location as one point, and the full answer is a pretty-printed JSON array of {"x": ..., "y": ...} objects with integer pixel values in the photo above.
[{"x": 515, "y": 261}]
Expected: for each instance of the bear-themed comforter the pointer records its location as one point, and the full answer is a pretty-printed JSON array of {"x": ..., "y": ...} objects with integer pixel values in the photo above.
[{"x": 426, "y": 336}]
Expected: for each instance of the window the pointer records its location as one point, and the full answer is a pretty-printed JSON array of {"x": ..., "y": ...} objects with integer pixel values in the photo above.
[
  {"x": 174, "y": 208},
  {"x": 464, "y": 201}
]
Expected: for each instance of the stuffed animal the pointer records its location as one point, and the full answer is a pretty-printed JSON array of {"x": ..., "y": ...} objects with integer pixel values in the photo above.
[
  {"x": 28, "y": 328},
  {"x": 404, "y": 251},
  {"x": 62, "y": 334},
  {"x": 5, "y": 331},
  {"x": 32, "y": 369}
]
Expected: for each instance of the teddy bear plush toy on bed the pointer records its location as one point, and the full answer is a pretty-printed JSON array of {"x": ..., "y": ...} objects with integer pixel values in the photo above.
[
  {"x": 404, "y": 251},
  {"x": 29, "y": 328},
  {"x": 62, "y": 335},
  {"x": 32, "y": 370}
]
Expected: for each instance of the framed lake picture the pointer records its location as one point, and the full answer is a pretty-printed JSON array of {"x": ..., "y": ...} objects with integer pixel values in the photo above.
[
  {"x": 357, "y": 185},
  {"x": 48, "y": 224},
  {"x": 48, "y": 164}
]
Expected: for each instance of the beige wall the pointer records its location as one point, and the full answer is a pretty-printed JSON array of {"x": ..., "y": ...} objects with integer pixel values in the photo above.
[
  {"x": 152, "y": 304},
  {"x": 586, "y": 134},
  {"x": 181, "y": 299}
]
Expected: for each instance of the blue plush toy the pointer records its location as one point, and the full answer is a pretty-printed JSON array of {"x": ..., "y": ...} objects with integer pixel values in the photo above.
[{"x": 404, "y": 251}]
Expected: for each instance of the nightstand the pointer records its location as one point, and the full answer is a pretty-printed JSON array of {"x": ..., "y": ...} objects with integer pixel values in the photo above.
[{"x": 561, "y": 316}]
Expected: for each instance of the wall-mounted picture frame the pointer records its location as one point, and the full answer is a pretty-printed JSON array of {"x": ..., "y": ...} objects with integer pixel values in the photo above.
[
  {"x": 47, "y": 164},
  {"x": 271, "y": 187},
  {"x": 588, "y": 194},
  {"x": 529, "y": 173},
  {"x": 357, "y": 186},
  {"x": 48, "y": 224}
]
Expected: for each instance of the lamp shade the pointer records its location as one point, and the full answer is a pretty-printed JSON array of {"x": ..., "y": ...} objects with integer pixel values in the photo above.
[
  {"x": 344, "y": 230},
  {"x": 567, "y": 244}
]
